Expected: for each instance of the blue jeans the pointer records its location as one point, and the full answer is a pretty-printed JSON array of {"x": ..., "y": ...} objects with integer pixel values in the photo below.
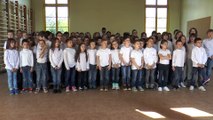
[
  {"x": 41, "y": 71},
  {"x": 70, "y": 77},
  {"x": 104, "y": 77},
  {"x": 178, "y": 73},
  {"x": 115, "y": 75},
  {"x": 137, "y": 78},
  {"x": 201, "y": 73},
  {"x": 56, "y": 76},
  {"x": 27, "y": 77},
  {"x": 126, "y": 71},
  {"x": 92, "y": 76},
  {"x": 150, "y": 77},
  {"x": 12, "y": 80},
  {"x": 209, "y": 67}
]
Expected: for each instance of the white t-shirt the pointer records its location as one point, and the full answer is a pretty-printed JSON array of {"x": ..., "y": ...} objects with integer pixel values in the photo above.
[
  {"x": 125, "y": 52},
  {"x": 92, "y": 56},
  {"x": 164, "y": 53},
  {"x": 104, "y": 55},
  {"x": 137, "y": 55},
  {"x": 69, "y": 58},
  {"x": 115, "y": 56}
]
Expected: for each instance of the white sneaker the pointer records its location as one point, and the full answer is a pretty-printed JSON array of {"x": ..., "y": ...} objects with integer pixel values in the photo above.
[
  {"x": 166, "y": 89},
  {"x": 202, "y": 88},
  {"x": 160, "y": 89},
  {"x": 182, "y": 85},
  {"x": 191, "y": 88},
  {"x": 140, "y": 89}
]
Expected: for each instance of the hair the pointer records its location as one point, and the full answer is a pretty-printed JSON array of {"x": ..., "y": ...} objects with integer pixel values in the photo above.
[
  {"x": 149, "y": 39},
  {"x": 42, "y": 34},
  {"x": 136, "y": 41},
  {"x": 9, "y": 41},
  {"x": 25, "y": 40},
  {"x": 77, "y": 55},
  {"x": 59, "y": 32},
  {"x": 92, "y": 41},
  {"x": 209, "y": 30},
  {"x": 197, "y": 39},
  {"x": 69, "y": 39},
  {"x": 178, "y": 41},
  {"x": 196, "y": 33},
  {"x": 177, "y": 34},
  {"x": 10, "y": 31},
  {"x": 162, "y": 42},
  {"x": 191, "y": 35},
  {"x": 104, "y": 39},
  {"x": 165, "y": 34},
  {"x": 53, "y": 44}
]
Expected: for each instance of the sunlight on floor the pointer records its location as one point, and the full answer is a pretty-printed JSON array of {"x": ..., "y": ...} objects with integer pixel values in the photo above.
[
  {"x": 192, "y": 112},
  {"x": 151, "y": 114}
]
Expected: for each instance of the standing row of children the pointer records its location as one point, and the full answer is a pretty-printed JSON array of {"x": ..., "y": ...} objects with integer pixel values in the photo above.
[{"x": 142, "y": 62}]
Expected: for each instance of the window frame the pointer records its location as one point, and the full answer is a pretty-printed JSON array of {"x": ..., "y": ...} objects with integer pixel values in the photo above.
[
  {"x": 156, "y": 6},
  {"x": 56, "y": 5}
]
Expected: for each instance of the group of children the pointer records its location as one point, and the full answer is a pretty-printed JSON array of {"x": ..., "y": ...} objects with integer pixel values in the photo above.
[{"x": 153, "y": 62}]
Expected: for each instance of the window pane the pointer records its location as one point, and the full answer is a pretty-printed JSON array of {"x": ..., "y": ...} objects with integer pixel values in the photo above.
[
  {"x": 149, "y": 31},
  {"x": 150, "y": 2},
  {"x": 162, "y": 12},
  {"x": 150, "y": 12},
  {"x": 50, "y": 12},
  {"x": 62, "y": 2},
  {"x": 161, "y": 23},
  {"x": 63, "y": 12},
  {"x": 150, "y": 22},
  {"x": 50, "y": 22},
  {"x": 63, "y": 29},
  {"x": 51, "y": 29},
  {"x": 50, "y": 2},
  {"x": 161, "y": 30},
  {"x": 162, "y": 2}
]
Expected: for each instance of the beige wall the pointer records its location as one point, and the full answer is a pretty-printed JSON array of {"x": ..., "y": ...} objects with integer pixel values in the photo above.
[
  {"x": 195, "y": 9},
  {"x": 115, "y": 15}
]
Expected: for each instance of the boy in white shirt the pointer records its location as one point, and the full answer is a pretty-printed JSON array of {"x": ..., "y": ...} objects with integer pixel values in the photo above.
[
  {"x": 178, "y": 60},
  {"x": 92, "y": 65},
  {"x": 26, "y": 66},
  {"x": 150, "y": 59},
  {"x": 126, "y": 63},
  {"x": 104, "y": 64},
  {"x": 137, "y": 66},
  {"x": 199, "y": 59}
]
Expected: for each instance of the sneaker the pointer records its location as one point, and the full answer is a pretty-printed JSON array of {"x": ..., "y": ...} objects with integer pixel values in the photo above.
[
  {"x": 117, "y": 86},
  {"x": 30, "y": 90},
  {"x": 151, "y": 86},
  {"x": 23, "y": 91},
  {"x": 45, "y": 90},
  {"x": 147, "y": 86},
  {"x": 166, "y": 89},
  {"x": 160, "y": 89},
  {"x": 201, "y": 88},
  {"x": 191, "y": 88},
  {"x": 113, "y": 86},
  {"x": 16, "y": 92},
  {"x": 140, "y": 89},
  {"x": 101, "y": 89},
  {"x": 85, "y": 88},
  {"x": 182, "y": 85},
  {"x": 80, "y": 88},
  {"x": 67, "y": 89},
  {"x": 105, "y": 89},
  {"x": 12, "y": 92},
  {"x": 74, "y": 89},
  {"x": 129, "y": 89},
  {"x": 134, "y": 89},
  {"x": 37, "y": 91},
  {"x": 125, "y": 88}
]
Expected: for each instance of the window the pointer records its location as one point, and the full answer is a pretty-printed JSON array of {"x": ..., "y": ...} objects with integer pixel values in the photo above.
[
  {"x": 156, "y": 16},
  {"x": 56, "y": 15}
]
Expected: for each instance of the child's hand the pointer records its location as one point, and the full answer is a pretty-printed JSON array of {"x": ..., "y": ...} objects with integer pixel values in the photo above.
[
  {"x": 109, "y": 67},
  {"x": 99, "y": 67},
  {"x": 14, "y": 70},
  {"x": 21, "y": 70},
  {"x": 173, "y": 68},
  {"x": 31, "y": 70},
  {"x": 78, "y": 70},
  {"x": 199, "y": 65},
  {"x": 202, "y": 65}
]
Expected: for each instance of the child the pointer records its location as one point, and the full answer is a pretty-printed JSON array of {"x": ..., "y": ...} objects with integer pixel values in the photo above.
[
  {"x": 69, "y": 61},
  {"x": 126, "y": 63},
  {"x": 82, "y": 66},
  {"x": 26, "y": 66},
  {"x": 199, "y": 59},
  {"x": 11, "y": 60},
  {"x": 115, "y": 65},
  {"x": 137, "y": 67},
  {"x": 163, "y": 66},
  {"x": 150, "y": 59},
  {"x": 41, "y": 65},
  {"x": 56, "y": 59},
  {"x": 92, "y": 65},
  {"x": 104, "y": 64},
  {"x": 178, "y": 61}
]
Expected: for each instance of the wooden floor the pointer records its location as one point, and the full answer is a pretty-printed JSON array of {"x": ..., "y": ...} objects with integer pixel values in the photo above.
[{"x": 96, "y": 105}]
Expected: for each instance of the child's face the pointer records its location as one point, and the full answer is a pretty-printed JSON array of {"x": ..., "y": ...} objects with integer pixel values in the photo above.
[
  {"x": 192, "y": 39},
  {"x": 10, "y": 35},
  {"x": 165, "y": 37},
  {"x": 183, "y": 39},
  {"x": 104, "y": 44},
  {"x": 57, "y": 43},
  {"x": 142, "y": 44},
  {"x": 25, "y": 45},
  {"x": 198, "y": 43},
  {"x": 150, "y": 43},
  {"x": 115, "y": 45},
  {"x": 127, "y": 42},
  {"x": 179, "y": 45},
  {"x": 210, "y": 34},
  {"x": 137, "y": 45},
  {"x": 25, "y": 35},
  {"x": 83, "y": 47},
  {"x": 12, "y": 45},
  {"x": 164, "y": 45},
  {"x": 59, "y": 36},
  {"x": 92, "y": 45},
  {"x": 69, "y": 44},
  {"x": 41, "y": 43}
]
